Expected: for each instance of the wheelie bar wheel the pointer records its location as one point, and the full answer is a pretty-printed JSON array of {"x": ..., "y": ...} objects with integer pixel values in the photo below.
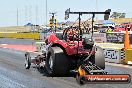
[
  {"x": 81, "y": 80},
  {"x": 27, "y": 60}
]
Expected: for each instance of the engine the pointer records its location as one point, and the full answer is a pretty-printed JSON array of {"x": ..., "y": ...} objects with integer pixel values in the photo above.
[{"x": 88, "y": 43}]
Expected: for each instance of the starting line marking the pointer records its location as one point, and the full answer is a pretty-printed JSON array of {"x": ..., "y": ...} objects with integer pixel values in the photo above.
[{"x": 3, "y": 44}]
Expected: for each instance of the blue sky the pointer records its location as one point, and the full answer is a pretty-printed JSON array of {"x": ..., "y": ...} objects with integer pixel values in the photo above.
[{"x": 27, "y": 9}]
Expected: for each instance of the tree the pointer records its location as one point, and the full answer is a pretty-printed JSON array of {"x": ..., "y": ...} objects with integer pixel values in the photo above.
[
  {"x": 123, "y": 15},
  {"x": 118, "y": 15}
]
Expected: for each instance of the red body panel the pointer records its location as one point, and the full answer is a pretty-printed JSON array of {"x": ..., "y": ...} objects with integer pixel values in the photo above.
[
  {"x": 52, "y": 38},
  {"x": 69, "y": 46}
]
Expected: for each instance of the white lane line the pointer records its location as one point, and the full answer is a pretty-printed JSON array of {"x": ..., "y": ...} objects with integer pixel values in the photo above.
[{"x": 3, "y": 44}]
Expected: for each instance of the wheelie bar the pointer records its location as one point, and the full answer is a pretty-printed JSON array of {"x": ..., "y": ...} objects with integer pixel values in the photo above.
[
  {"x": 91, "y": 68},
  {"x": 87, "y": 68},
  {"x": 90, "y": 73}
]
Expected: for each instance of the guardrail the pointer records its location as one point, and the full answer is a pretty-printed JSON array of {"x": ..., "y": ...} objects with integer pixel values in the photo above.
[
  {"x": 20, "y": 35},
  {"x": 114, "y": 55},
  {"x": 128, "y": 56}
]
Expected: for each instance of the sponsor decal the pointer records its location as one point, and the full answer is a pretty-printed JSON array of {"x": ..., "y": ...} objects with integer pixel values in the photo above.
[{"x": 108, "y": 78}]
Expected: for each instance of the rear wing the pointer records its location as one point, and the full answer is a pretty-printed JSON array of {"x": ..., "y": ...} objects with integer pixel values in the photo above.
[{"x": 106, "y": 13}]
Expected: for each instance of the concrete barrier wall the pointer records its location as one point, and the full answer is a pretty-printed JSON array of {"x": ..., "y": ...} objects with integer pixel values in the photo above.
[
  {"x": 128, "y": 56},
  {"x": 20, "y": 35},
  {"x": 114, "y": 55}
]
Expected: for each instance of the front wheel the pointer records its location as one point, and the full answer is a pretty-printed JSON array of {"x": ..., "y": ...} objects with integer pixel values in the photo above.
[{"x": 27, "y": 60}]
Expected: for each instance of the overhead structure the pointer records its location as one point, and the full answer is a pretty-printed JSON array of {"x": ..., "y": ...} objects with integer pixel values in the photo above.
[
  {"x": 53, "y": 21},
  {"x": 106, "y": 15}
]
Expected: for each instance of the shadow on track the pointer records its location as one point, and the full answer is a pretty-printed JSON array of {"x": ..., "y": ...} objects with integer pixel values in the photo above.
[{"x": 45, "y": 73}]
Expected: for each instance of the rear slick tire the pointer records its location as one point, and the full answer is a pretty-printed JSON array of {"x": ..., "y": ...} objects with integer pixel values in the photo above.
[
  {"x": 99, "y": 57},
  {"x": 57, "y": 63}
]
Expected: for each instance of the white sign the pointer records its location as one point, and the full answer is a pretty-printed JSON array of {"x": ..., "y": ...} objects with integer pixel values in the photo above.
[
  {"x": 113, "y": 55},
  {"x": 99, "y": 37}
]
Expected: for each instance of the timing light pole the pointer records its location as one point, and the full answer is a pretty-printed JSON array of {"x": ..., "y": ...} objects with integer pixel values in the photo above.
[
  {"x": 46, "y": 11},
  {"x": 53, "y": 15},
  {"x": 17, "y": 16},
  {"x": 36, "y": 14},
  {"x": 97, "y": 11}
]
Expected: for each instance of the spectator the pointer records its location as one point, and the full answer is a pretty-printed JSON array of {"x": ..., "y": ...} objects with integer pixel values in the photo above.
[
  {"x": 128, "y": 28},
  {"x": 109, "y": 30}
]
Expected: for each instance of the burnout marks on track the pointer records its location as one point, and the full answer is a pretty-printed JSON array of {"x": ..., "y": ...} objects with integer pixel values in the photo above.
[{"x": 28, "y": 48}]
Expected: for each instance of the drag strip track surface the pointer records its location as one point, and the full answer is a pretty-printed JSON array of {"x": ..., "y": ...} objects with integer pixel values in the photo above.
[{"x": 14, "y": 75}]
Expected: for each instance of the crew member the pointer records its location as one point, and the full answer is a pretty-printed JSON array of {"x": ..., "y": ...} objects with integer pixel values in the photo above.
[
  {"x": 109, "y": 30},
  {"x": 128, "y": 28}
]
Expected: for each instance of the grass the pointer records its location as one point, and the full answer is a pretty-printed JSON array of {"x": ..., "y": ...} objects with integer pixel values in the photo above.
[
  {"x": 15, "y": 29},
  {"x": 121, "y": 20}
]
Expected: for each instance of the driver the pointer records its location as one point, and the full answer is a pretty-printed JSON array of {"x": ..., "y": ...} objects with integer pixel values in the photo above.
[{"x": 72, "y": 34}]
